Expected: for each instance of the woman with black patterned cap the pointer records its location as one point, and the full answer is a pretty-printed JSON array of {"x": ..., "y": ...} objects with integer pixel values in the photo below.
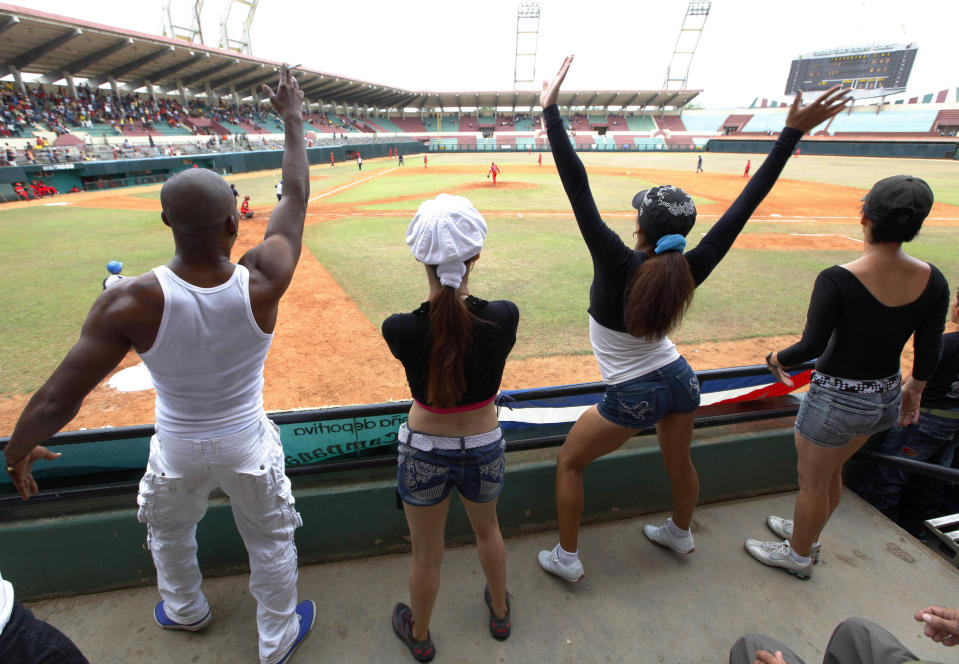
[
  {"x": 454, "y": 349},
  {"x": 637, "y": 296},
  {"x": 861, "y": 314}
]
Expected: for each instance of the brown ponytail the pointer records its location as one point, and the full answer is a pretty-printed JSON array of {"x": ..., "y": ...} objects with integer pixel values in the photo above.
[
  {"x": 658, "y": 295},
  {"x": 450, "y": 325}
]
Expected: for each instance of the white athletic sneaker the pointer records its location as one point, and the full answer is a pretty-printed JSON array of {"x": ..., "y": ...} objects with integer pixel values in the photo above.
[
  {"x": 784, "y": 528},
  {"x": 664, "y": 537},
  {"x": 549, "y": 561},
  {"x": 778, "y": 554}
]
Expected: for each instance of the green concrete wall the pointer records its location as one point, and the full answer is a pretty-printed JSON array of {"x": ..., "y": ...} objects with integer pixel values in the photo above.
[
  {"x": 58, "y": 548},
  {"x": 915, "y": 149}
]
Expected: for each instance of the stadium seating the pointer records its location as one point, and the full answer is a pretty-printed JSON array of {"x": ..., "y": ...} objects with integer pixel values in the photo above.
[
  {"x": 525, "y": 123},
  {"x": 656, "y": 143},
  {"x": 410, "y": 125},
  {"x": 765, "y": 123},
  {"x": 640, "y": 123},
  {"x": 737, "y": 120},
  {"x": 450, "y": 124},
  {"x": 899, "y": 121},
  {"x": 388, "y": 125},
  {"x": 703, "y": 121},
  {"x": 468, "y": 123}
]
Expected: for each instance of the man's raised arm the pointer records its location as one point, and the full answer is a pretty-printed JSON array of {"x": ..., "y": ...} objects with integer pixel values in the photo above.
[{"x": 277, "y": 255}]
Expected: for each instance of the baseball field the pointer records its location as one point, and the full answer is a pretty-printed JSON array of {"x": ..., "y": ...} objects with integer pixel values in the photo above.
[{"x": 356, "y": 269}]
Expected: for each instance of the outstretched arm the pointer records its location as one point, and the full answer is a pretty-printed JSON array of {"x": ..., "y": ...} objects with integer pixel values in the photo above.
[
  {"x": 276, "y": 257},
  {"x": 100, "y": 348},
  {"x": 713, "y": 247},
  {"x": 600, "y": 239}
]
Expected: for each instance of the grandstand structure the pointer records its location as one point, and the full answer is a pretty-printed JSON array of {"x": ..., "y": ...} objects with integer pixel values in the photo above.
[{"x": 78, "y": 90}]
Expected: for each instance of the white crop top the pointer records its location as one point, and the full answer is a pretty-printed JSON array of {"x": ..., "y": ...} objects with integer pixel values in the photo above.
[{"x": 622, "y": 357}]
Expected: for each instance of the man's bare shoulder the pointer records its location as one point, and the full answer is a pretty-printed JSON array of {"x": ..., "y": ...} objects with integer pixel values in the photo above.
[{"x": 129, "y": 301}]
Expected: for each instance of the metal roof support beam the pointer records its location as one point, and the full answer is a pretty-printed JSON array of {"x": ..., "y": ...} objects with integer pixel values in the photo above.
[
  {"x": 34, "y": 54},
  {"x": 181, "y": 90},
  {"x": 234, "y": 96},
  {"x": 83, "y": 63},
  {"x": 235, "y": 78},
  {"x": 17, "y": 79},
  {"x": 68, "y": 77},
  {"x": 123, "y": 70},
  {"x": 8, "y": 23},
  {"x": 151, "y": 90},
  {"x": 257, "y": 81},
  {"x": 193, "y": 78},
  {"x": 114, "y": 88},
  {"x": 172, "y": 69}
]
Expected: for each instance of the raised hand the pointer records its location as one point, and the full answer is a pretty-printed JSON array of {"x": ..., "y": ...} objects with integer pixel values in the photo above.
[
  {"x": 942, "y": 624},
  {"x": 288, "y": 98},
  {"x": 22, "y": 469},
  {"x": 551, "y": 89},
  {"x": 766, "y": 657},
  {"x": 826, "y": 105}
]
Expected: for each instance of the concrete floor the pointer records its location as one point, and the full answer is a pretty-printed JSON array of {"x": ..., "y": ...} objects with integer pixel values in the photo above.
[{"x": 638, "y": 602}]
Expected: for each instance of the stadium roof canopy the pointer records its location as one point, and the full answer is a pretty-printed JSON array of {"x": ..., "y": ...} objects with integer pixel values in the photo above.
[{"x": 60, "y": 48}]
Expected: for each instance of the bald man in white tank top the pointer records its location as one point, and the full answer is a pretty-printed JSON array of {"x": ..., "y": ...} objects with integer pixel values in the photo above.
[{"x": 203, "y": 326}]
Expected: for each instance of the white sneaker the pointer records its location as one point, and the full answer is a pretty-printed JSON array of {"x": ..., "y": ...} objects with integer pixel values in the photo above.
[
  {"x": 784, "y": 528},
  {"x": 549, "y": 561},
  {"x": 663, "y": 536},
  {"x": 778, "y": 554}
]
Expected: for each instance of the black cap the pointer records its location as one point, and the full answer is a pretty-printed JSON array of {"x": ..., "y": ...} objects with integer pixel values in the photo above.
[
  {"x": 900, "y": 198},
  {"x": 664, "y": 210}
]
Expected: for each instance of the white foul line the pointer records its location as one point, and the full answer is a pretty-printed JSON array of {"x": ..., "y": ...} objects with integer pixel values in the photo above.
[{"x": 347, "y": 186}]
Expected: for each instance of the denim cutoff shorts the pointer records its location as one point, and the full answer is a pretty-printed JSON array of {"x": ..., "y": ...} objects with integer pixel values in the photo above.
[
  {"x": 425, "y": 478},
  {"x": 643, "y": 401},
  {"x": 831, "y": 418}
]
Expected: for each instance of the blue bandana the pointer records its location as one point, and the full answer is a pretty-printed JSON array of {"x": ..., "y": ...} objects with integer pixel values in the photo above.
[{"x": 670, "y": 243}]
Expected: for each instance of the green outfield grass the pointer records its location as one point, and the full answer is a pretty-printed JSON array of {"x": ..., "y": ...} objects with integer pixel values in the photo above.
[{"x": 53, "y": 257}]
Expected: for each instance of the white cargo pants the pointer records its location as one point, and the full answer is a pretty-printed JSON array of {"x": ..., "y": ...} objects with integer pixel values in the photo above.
[{"x": 249, "y": 468}]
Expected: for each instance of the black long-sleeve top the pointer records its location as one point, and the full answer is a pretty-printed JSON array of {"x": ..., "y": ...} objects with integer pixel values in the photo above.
[
  {"x": 614, "y": 263},
  {"x": 856, "y": 336},
  {"x": 492, "y": 338}
]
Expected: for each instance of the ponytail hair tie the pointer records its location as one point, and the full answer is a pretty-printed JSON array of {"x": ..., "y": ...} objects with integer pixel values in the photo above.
[{"x": 672, "y": 242}]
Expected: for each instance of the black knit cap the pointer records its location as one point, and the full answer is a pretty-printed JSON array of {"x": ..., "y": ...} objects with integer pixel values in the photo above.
[
  {"x": 900, "y": 198},
  {"x": 664, "y": 210}
]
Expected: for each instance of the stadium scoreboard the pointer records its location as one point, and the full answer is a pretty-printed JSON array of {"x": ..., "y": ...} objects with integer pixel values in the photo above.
[{"x": 869, "y": 71}]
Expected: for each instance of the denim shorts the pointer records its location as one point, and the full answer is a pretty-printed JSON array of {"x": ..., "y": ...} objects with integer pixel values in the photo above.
[
  {"x": 642, "y": 402},
  {"x": 425, "y": 478},
  {"x": 831, "y": 418}
]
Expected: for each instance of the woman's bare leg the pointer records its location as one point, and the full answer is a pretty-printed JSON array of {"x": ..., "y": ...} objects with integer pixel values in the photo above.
[
  {"x": 428, "y": 537},
  {"x": 675, "y": 433},
  {"x": 591, "y": 437},
  {"x": 491, "y": 550}
]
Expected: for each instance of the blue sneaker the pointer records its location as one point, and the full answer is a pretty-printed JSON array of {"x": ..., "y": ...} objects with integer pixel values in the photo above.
[
  {"x": 306, "y": 612},
  {"x": 166, "y": 622}
]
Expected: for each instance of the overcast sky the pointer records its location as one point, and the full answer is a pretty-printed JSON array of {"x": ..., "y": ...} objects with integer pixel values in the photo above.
[{"x": 744, "y": 52}]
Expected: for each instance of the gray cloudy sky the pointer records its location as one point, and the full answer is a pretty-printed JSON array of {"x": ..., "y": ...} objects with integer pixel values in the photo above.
[{"x": 744, "y": 52}]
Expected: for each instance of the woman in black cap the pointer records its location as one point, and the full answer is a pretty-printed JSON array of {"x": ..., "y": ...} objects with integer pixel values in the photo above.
[
  {"x": 637, "y": 296},
  {"x": 860, "y": 316}
]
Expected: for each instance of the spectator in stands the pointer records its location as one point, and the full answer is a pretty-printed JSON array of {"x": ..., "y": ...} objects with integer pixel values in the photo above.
[
  {"x": 209, "y": 382},
  {"x": 855, "y": 390},
  {"x": 855, "y": 641},
  {"x": 453, "y": 348},
  {"x": 245, "y": 210},
  {"x": 933, "y": 438},
  {"x": 637, "y": 296},
  {"x": 25, "y": 639}
]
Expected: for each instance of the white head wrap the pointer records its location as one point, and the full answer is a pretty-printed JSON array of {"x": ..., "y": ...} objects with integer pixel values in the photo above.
[{"x": 445, "y": 232}]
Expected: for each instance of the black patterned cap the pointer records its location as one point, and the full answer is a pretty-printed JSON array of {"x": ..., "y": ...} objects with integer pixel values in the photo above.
[
  {"x": 901, "y": 198},
  {"x": 664, "y": 210}
]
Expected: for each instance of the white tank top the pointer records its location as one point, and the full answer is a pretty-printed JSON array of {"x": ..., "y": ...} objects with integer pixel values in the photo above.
[
  {"x": 623, "y": 357},
  {"x": 207, "y": 360}
]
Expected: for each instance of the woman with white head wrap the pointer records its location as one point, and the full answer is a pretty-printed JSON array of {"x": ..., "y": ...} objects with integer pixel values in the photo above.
[{"x": 453, "y": 348}]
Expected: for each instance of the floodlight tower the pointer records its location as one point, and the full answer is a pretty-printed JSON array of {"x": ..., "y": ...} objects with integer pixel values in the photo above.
[
  {"x": 242, "y": 44},
  {"x": 527, "y": 41},
  {"x": 193, "y": 33},
  {"x": 686, "y": 43}
]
